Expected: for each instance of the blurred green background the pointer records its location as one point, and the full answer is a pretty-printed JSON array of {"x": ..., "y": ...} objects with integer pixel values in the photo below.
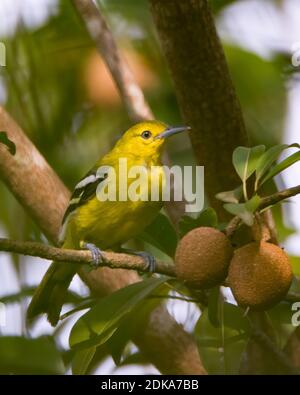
[{"x": 58, "y": 89}]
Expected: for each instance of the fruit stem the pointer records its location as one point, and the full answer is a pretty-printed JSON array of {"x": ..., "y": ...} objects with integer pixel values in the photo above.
[{"x": 259, "y": 229}]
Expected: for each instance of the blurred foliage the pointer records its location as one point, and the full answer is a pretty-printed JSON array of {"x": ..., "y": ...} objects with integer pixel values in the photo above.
[
  {"x": 58, "y": 90},
  {"x": 261, "y": 89},
  {"x": 161, "y": 234},
  {"x": 19, "y": 355},
  {"x": 218, "y": 5},
  {"x": 263, "y": 166},
  {"x": 221, "y": 346},
  {"x": 207, "y": 217}
]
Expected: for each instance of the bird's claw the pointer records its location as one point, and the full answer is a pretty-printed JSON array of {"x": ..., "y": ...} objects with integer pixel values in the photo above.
[
  {"x": 97, "y": 255},
  {"x": 149, "y": 259}
]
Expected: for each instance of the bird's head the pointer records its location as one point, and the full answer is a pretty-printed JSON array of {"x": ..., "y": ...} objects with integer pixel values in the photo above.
[{"x": 148, "y": 138}]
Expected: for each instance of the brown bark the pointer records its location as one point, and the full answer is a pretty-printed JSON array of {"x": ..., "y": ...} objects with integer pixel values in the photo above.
[
  {"x": 43, "y": 195},
  {"x": 204, "y": 88},
  {"x": 32, "y": 180},
  {"x": 111, "y": 259},
  {"x": 263, "y": 354},
  {"x": 209, "y": 105}
]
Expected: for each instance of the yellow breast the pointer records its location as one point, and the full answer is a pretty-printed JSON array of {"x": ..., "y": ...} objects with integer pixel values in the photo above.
[{"x": 112, "y": 222}]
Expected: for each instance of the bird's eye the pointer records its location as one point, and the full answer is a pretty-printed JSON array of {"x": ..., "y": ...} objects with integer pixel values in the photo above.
[{"x": 146, "y": 134}]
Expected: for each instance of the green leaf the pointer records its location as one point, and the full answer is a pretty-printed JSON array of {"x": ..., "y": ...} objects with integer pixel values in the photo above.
[
  {"x": 161, "y": 234},
  {"x": 71, "y": 297},
  {"x": 253, "y": 203},
  {"x": 82, "y": 360},
  {"x": 9, "y": 144},
  {"x": 295, "y": 261},
  {"x": 213, "y": 306},
  {"x": 263, "y": 99},
  {"x": 218, "y": 5},
  {"x": 132, "y": 324},
  {"x": 281, "y": 317},
  {"x": 118, "y": 341},
  {"x": 233, "y": 318},
  {"x": 207, "y": 217},
  {"x": 19, "y": 355},
  {"x": 221, "y": 348},
  {"x": 18, "y": 296},
  {"x": 245, "y": 160},
  {"x": 135, "y": 359},
  {"x": 240, "y": 210},
  {"x": 289, "y": 161},
  {"x": 97, "y": 325},
  {"x": 268, "y": 159},
  {"x": 88, "y": 303},
  {"x": 244, "y": 210},
  {"x": 233, "y": 196}
]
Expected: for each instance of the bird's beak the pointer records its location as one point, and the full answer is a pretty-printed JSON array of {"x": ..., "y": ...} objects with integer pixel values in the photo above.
[{"x": 172, "y": 130}]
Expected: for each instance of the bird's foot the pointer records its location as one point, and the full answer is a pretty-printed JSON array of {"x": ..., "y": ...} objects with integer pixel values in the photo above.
[
  {"x": 97, "y": 255},
  {"x": 148, "y": 258}
]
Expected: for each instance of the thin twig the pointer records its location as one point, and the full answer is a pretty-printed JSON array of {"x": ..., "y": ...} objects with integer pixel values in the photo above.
[
  {"x": 112, "y": 259},
  {"x": 116, "y": 260},
  {"x": 265, "y": 342},
  {"x": 278, "y": 197},
  {"x": 232, "y": 226},
  {"x": 271, "y": 225},
  {"x": 100, "y": 32},
  {"x": 265, "y": 202}
]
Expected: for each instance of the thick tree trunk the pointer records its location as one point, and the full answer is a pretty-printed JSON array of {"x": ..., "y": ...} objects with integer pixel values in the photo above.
[
  {"x": 204, "y": 88},
  {"x": 209, "y": 104}
]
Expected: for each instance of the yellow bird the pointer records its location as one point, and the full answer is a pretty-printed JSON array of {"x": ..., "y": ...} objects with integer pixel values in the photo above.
[{"x": 97, "y": 224}]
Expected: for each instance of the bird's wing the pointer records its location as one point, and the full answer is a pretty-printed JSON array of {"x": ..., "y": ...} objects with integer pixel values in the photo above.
[{"x": 84, "y": 191}]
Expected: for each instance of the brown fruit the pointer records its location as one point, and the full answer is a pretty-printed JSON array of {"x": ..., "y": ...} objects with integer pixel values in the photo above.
[
  {"x": 260, "y": 275},
  {"x": 202, "y": 257}
]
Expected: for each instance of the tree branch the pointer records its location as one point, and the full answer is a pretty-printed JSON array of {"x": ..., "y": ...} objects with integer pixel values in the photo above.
[
  {"x": 204, "y": 89},
  {"x": 278, "y": 197},
  {"x": 31, "y": 180},
  {"x": 265, "y": 202},
  {"x": 270, "y": 346},
  {"x": 34, "y": 183},
  {"x": 99, "y": 31},
  {"x": 112, "y": 259}
]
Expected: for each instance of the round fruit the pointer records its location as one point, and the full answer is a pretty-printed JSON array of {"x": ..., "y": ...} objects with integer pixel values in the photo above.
[
  {"x": 260, "y": 275},
  {"x": 202, "y": 257}
]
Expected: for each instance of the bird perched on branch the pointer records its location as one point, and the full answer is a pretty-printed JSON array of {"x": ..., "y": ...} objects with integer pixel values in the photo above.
[{"x": 96, "y": 224}]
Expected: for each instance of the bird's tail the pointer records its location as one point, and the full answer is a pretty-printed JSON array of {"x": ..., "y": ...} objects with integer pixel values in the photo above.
[{"x": 50, "y": 295}]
